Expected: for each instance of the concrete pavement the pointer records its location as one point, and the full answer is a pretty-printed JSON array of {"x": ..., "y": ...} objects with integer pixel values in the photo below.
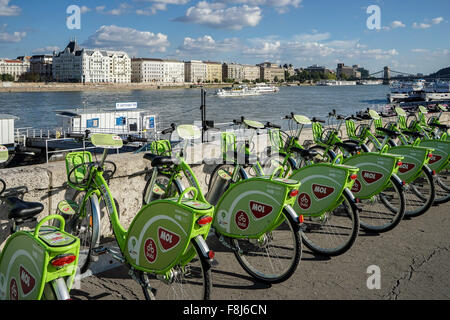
[{"x": 413, "y": 261}]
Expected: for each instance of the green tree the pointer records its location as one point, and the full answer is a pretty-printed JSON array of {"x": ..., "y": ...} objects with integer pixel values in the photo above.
[{"x": 7, "y": 77}]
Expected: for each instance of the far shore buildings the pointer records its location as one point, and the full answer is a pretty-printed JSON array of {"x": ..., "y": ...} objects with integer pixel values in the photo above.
[
  {"x": 76, "y": 64},
  {"x": 323, "y": 71},
  {"x": 271, "y": 72},
  {"x": 42, "y": 65},
  {"x": 15, "y": 67},
  {"x": 145, "y": 70},
  {"x": 195, "y": 71},
  {"x": 213, "y": 71},
  {"x": 348, "y": 72}
]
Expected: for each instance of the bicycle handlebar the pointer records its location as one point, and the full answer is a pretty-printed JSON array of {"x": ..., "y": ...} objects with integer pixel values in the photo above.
[
  {"x": 272, "y": 125},
  {"x": 317, "y": 120},
  {"x": 169, "y": 130}
]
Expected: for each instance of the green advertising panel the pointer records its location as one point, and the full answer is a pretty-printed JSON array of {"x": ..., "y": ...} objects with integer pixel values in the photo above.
[
  {"x": 4, "y": 155},
  {"x": 414, "y": 159},
  {"x": 440, "y": 155},
  {"x": 106, "y": 141},
  {"x": 321, "y": 187}
]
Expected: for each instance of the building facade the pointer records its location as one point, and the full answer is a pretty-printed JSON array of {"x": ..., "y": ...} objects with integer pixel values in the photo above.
[
  {"x": 42, "y": 65},
  {"x": 252, "y": 73},
  {"x": 75, "y": 64},
  {"x": 173, "y": 71},
  {"x": 213, "y": 71},
  {"x": 14, "y": 68},
  {"x": 344, "y": 71},
  {"x": 195, "y": 71},
  {"x": 271, "y": 72},
  {"x": 233, "y": 71},
  {"x": 146, "y": 70}
]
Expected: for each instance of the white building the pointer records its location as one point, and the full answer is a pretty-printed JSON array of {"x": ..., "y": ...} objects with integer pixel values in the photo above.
[
  {"x": 157, "y": 70},
  {"x": 75, "y": 64},
  {"x": 195, "y": 71},
  {"x": 14, "y": 68}
]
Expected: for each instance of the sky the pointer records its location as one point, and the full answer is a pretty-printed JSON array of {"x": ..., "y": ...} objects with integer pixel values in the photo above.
[{"x": 410, "y": 36}]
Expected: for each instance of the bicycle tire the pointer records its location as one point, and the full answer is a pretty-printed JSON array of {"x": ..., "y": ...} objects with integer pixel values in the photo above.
[
  {"x": 442, "y": 184},
  {"x": 173, "y": 290},
  {"x": 162, "y": 180},
  {"x": 314, "y": 229},
  {"x": 416, "y": 198},
  {"x": 250, "y": 252},
  {"x": 83, "y": 229},
  {"x": 384, "y": 200}
]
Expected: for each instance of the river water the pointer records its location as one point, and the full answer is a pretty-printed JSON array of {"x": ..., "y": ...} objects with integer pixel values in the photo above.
[{"x": 36, "y": 109}]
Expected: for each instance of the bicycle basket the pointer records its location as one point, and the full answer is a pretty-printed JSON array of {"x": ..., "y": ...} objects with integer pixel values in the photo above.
[
  {"x": 161, "y": 148},
  {"x": 329, "y": 136},
  {"x": 361, "y": 130},
  {"x": 76, "y": 177}
]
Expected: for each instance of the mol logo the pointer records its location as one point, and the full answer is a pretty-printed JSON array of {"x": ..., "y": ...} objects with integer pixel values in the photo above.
[
  {"x": 168, "y": 239},
  {"x": 150, "y": 251},
  {"x": 260, "y": 210},
  {"x": 304, "y": 201},
  {"x": 27, "y": 281},
  {"x": 406, "y": 167},
  {"x": 356, "y": 186},
  {"x": 321, "y": 192},
  {"x": 13, "y": 290},
  {"x": 434, "y": 159},
  {"x": 242, "y": 220},
  {"x": 371, "y": 177}
]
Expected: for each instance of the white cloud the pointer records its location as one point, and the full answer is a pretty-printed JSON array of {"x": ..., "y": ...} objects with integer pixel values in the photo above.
[
  {"x": 122, "y": 9},
  {"x": 218, "y": 15},
  {"x": 281, "y": 6},
  {"x": 85, "y": 9},
  {"x": 437, "y": 20},
  {"x": 207, "y": 43},
  {"x": 11, "y": 37},
  {"x": 159, "y": 5},
  {"x": 128, "y": 39},
  {"x": 397, "y": 24},
  {"x": 8, "y": 10},
  {"x": 421, "y": 25},
  {"x": 48, "y": 49}
]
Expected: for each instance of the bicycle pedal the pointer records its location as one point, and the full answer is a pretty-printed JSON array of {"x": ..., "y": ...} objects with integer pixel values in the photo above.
[{"x": 100, "y": 250}]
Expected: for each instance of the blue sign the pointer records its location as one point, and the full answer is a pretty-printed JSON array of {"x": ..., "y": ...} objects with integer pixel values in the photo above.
[
  {"x": 92, "y": 123},
  {"x": 152, "y": 122},
  {"x": 121, "y": 121}
]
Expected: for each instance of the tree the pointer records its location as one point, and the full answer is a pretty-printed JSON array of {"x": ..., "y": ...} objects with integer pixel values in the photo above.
[
  {"x": 7, "y": 77},
  {"x": 275, "y": 79}
]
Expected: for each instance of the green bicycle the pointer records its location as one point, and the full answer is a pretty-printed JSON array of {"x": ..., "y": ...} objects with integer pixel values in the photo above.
[
  {"x": 253, "y": 218},
  {"x": 416, "y": 131},
  {"x": 164, "y": 247},
  {"x": 378, "y": 189},
  {"x": 419, "y": 186},
  {"x": 331, "y": 221},
  {"x": 40, "y": 264}
]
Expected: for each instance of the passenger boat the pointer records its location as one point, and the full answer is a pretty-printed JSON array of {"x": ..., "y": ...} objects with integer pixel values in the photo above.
[{"x": 237, "y": 91}]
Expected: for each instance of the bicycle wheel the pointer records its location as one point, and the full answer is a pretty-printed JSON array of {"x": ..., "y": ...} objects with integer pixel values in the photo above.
[
  {"x": 159, "y": 189},
  {"x": 384, "y": 211},
  {"x": 335, "y": 231},
  {"x": 190, "y": 282},
  {"x": 420, "y": 194},
  {"x": 273, "y": 162},
  {"x": 81, "y": 225},
  {"x": 442, "y": 184},
  {"x": 274, "y": 257}
]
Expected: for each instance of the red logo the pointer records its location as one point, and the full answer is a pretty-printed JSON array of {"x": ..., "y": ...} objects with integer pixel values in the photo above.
[
  {"x": 13, "y": 290},
  {"x": 356, "y": 186},
  {"x": 168, "y": 239},
  {"x": 371, "y": 177},
  {"x": 27, "y": 281},
  {"x": 434, "y": 159},
  {"x": 321, "y": 192},
  {"x": 150, "y": 250},
  {"x": 406, "y": 167},
  {"x": 242, "y": 220},
  {"x": 260, "y": 210},
  {"x": 304, "y": 201}
]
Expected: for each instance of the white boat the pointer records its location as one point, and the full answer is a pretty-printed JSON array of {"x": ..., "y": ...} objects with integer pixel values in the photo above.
[
  {"x": 238, "y": 91},
  {"x": 370, "y": 82},
  {"x": 437, "y": 91},
  {"x": 406, "y": 90},
  {"x": 333, "y": 83},
  {"x": 265, "y": 88}
]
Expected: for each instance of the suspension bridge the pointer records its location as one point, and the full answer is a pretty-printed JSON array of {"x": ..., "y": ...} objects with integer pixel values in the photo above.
[{"x": 387, "y": 74}]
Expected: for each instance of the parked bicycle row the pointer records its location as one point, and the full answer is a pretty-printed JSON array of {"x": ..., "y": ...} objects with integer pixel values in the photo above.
[{"x": 262, "y": 207}]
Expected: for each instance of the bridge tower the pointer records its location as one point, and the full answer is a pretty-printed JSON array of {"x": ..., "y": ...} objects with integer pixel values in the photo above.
[{"x": 387, "y": 75}]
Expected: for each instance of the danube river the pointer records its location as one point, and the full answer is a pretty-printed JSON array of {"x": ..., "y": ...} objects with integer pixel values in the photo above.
[{"x": 36, "y": 109}]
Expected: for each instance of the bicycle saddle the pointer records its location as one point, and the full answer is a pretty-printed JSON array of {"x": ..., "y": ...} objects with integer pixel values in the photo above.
[
  {"x": 440, "y": 126},
  {"x": 350, "y": 147},
  {"x": 22, "y": 210},
  {"x": 239, "y": 156},
  {"x": 306, "y": 153},
  {"x": 390, "y": 133},
  {"x": 413, "y": 134},
  {"x": 159, "y": 161}
]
